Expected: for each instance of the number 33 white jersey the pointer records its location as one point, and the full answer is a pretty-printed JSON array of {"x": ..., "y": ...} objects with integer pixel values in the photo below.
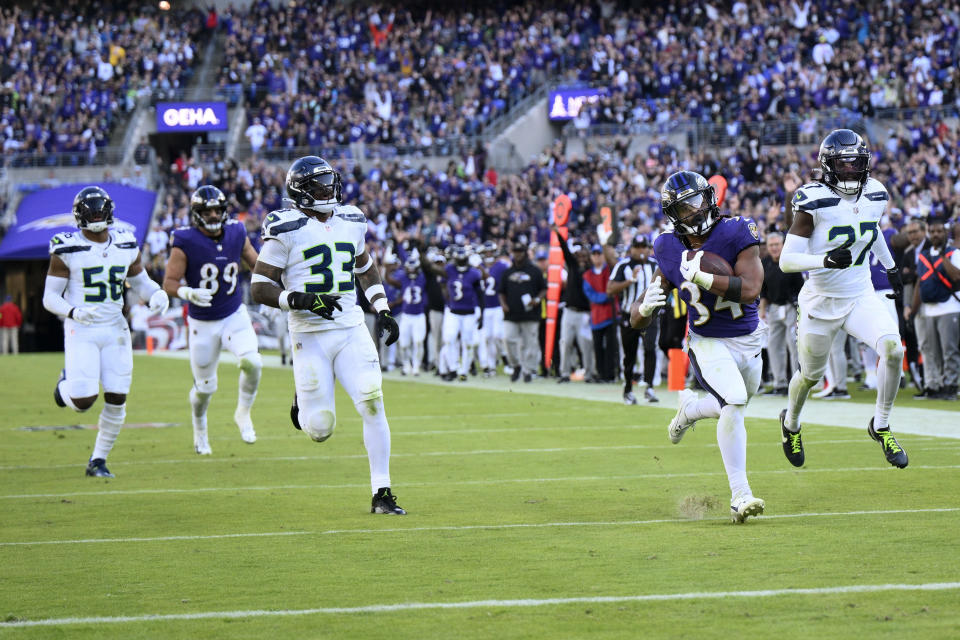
[
  {"x": 317, "y": 257},
  {"x": 842, "y": 222}
]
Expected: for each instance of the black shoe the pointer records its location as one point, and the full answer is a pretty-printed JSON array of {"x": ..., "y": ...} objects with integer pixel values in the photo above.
[
  {"x": 563, "y": 379},
  {"x": 527, "y": 377},
  {"x": 837, "y": 394},
  {"x": 295, "y": 413},
  {"x": 462, "y": 378},
  {"x": 473, "y": 368},
  {"x": 891, "y": 448},
  {"x": 385, "y": 502},
  {"x": 629, "y": 398},
  {"x": 515, "y": 375},
  {"x": 650, "y": 395},
  {"x": 927, "y": 394},
  {"x": 781, "y": 391},
  {"x": 283, "y": 358},
  {"x": 792, "y": 442},
  {"x": 449, "y": 376},
  {"x": 97, "y": 468},
  {"x": 56, "y": 390}
]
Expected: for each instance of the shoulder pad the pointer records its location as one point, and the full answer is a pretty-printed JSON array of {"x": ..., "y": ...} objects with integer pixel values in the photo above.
[
  {"x": 350, "y": 213},
  {"x": 67, "y": 242},
  {"x": 875, "y": 191},
  {"x": 282, "y": 221},
  {"x": 124, "y": 240},
  {"x": 814, "y": 195}
]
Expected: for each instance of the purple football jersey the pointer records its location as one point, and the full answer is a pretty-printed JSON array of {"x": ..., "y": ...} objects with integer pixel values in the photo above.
[
  {"x": 414, "y": 292},
  {"x": 707, "y": 315},
  {"x": 491, "y": 283},
  {"x": 877, "y": 271},
  {"x": 462, "y": 288},
  {"x": 213, "y": 264}
]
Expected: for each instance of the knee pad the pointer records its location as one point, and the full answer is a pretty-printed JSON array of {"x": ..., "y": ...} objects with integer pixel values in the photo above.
[
  {"x": 319, "y": 424},
  {"x": 369, "y": 386},
  {"x": 813, "y": 350},
  {"x": 207, "y": 386},
  {"x": 890, "y": 348},
  {"x": 251, "y": 363}
]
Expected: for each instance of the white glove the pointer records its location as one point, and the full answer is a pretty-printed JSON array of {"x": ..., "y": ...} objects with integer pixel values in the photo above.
[
  {"x": 159, "y": 302},
  {"x": 475, "y": 260},
  {"x": 690, "y": 270},
  {"x": 603, "y": 234},
  {"x": 85, "y": 315},
  {"x": 652, "y": 299},
  {"x": 199, "y": 297}
]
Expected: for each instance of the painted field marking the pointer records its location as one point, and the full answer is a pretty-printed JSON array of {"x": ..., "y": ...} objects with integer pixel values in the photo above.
[{"x": 478, "y": 604}]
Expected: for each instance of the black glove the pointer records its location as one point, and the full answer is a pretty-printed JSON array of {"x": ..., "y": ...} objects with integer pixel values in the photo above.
[
  {"x": 839, "y": 258},
  {"x": 319, "y": 303},
  {"x": 480, "y": 320},
  {"x": 895, "y": 283},
  {"x": 385, "y": 322}
]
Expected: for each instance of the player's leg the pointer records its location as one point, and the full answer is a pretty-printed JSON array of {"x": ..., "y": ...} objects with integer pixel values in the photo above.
[
  {"x": 450, "y": 351},
  {"x": 569, "y": 326},
  {"x": 630, "y": 339},
  {"x": 870, "y": 323},
  {"x": 79, "y": 382},
  {"x": 418, "y": 335},
  {"x": 313, "y": 377},
  {"x": 836, "y": 386},
  {"x": 815, "y": 339},
  {"x": 468, "y": 342},
  {"x": 241, "y": 340},
  {"x": 650, "y": 360},
  {"x": 358, "y": 370},
  {"x": 204, "y": 357},
  {"x": 116, "y": 370},
  {"x": 791, "y": 340},
  {"x": 406, "y": 343}
]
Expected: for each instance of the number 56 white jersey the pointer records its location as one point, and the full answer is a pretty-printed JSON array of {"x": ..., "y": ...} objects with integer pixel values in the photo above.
[
  {"x": 842, "y": 222},
  {"x": 317, "y": 257}
]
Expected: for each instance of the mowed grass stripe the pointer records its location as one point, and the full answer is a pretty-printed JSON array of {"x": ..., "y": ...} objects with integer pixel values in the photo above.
[
  {"x": 498, "y": 604},
  {"x": 472, "y": 527}
]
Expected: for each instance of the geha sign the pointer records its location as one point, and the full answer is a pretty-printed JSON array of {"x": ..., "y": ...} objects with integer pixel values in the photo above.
[{"x": 191, "y": 116}]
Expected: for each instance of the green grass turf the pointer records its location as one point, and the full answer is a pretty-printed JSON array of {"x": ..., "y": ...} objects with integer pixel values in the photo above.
[{"x": 510, "y": 497}]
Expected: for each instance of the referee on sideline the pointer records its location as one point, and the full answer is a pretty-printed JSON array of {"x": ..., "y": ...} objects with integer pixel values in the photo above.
[{"x": 628, "y": 280}]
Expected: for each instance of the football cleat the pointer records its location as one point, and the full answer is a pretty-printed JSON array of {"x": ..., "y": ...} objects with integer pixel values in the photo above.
[
  {"x": 295, "y": 413},
  {"x": 629, "y": 398},
  {"x": 245, "y": 424},
  {"x": 97, "y": 468},
  {"x": 891, "y": 448},
  {"x": 462, "y": 377},
  {"x": 385, "y": 502},
  {"x": 832, "y": 394},
  {"x": 792, "y": 442},
  {"x": 680, "y": 423},
  {"x": 56, "y": 390},
  {"x": 745, "y": 506},
  {"x": 515, "y": 374},
  {"x": 527, "y": 377},
  {"x": 650, "y": 395}
]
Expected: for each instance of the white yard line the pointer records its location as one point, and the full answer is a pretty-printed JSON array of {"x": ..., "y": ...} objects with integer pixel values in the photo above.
[
  {"x": 497, "y": 481},
  {"x": 475, "y": 527},
  {"x": 487, "y": 604}
]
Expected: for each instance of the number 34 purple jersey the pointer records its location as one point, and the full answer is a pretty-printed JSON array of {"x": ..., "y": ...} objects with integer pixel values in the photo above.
[
  {"x": 707, "y": 314},
  {"x": 213, "y": 264}
]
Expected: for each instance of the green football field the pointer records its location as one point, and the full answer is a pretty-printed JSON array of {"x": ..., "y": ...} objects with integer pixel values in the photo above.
[{"x": 530, "y": 516}]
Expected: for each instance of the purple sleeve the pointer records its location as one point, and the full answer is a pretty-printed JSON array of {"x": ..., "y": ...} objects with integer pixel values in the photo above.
[{"x": 745, "y": 234}]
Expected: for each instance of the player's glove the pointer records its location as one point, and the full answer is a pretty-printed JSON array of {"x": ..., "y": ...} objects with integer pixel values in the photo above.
[
  {"x": 896, "y": 283},
  {"x": 159, "y": 302},
  {"x": 653, "y": 299},
  {"x": 839, "y": 258},
  {"x": 385, "y": 322},
  {"x": 83, "y": 315},
  {"x": 199, "y": 297},
  {"x": 319, "y": 303},
  {"x": 690, "y": 270}
]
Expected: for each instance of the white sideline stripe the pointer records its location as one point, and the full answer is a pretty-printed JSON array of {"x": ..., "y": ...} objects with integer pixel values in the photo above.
[
  {"x": 472, "y": 527},
  {"x": 353, "y": 456},
  {"x": 477, "y": 604},
  {"x": 693, "y": 474}
]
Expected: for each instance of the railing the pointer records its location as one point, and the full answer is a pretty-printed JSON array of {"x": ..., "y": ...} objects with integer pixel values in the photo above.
[
  {"x": 450, "y": 146},
  {"x": 82, "y": 158},
  {"x": 232, "y": 95}
]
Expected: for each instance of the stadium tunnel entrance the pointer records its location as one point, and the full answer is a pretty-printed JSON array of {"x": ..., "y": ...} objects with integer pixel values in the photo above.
[{"x": 169, "y": 146}]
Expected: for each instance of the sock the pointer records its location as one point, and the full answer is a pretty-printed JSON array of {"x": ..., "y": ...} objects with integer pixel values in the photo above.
[
  {"x": 732, "y": 438},
  {"x": 111, "y": 420},
  {"x": 888, "y": 379},
  {"x": 706, "y": 407},
  {"x": 376, "y": 439},
  {"x": 799, "y": 390},
  {"x": 199, "y": 403},
  {"x": 65, "y": 395},
  {"x": 250, "y": 368}
]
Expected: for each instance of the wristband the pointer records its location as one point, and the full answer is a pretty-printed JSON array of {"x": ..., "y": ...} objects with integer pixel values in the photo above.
[
  {"x": 381, "y": 305},
  {"x": 283, "y": 300},
  {"x": 734, "y": 289},
  {"x": 373, "y": 290},
  {"x": 703, "y": 279}
]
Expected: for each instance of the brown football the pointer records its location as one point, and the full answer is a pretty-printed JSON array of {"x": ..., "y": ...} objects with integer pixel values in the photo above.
[{"x": 715, "y": 264}]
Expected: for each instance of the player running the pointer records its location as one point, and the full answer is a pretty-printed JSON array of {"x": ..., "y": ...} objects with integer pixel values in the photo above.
[
  {"x": 835, "y": 226},
  {"x": 318, "y": 252},
  {"x": 85, "y": 287},
  {"x": 207, "y": 256},
  {"x": 726, "y": 334}
]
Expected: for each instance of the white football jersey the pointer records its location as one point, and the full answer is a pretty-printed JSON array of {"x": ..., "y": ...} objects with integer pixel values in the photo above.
[
  {"x": 319, "y": 258},
  {"x": 842, "y": 222},
  {"x": 98, "y": 270}
]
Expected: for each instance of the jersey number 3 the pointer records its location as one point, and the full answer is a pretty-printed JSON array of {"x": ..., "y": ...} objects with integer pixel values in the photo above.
[{"x": 322, "y": 267}]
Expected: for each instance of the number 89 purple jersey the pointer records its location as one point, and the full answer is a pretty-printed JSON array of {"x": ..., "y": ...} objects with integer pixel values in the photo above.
[{"x": 213, "y": 264}]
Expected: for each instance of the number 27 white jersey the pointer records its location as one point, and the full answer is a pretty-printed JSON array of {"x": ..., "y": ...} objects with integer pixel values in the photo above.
[
  {"x": 318, "y": 257},
  {"x": 842, "y": 222}
]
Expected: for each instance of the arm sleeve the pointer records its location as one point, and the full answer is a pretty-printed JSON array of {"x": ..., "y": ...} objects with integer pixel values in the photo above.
[
  {"x": 882, "y": 251},
  {"x": 53, "y": 300},
  {"x": 143, "y": 285},
  {"x": 592, "y": 294},
  {"x": 795, "y": 257},
  {"x": 274, "y": 253}
]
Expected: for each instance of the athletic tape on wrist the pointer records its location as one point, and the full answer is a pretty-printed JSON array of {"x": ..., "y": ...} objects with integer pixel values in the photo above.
[
  {"x": 283, "y": 301},
  {"x": 373, "y": 290},
  {"x": 381, "y": 305}
]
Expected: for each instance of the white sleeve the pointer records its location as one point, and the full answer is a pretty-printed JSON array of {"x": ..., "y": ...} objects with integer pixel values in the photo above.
[
  {"x": 143, "y": 285},
  {"x": 882, "y": 251},
  {"x": 53, "y": 300},
  {"x": 275, "y": 253},
  {"x": 795, "y": 259}
]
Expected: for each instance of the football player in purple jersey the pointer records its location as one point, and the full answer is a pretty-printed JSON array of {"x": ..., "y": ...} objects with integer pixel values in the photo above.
[
  {"x": 463, "y": 318},
  {"x": 413, "y": 322},
  {"x": 204, "y": 271},
  {"x": 726, "y": 334},
  {"x": 491, "y": 334}
]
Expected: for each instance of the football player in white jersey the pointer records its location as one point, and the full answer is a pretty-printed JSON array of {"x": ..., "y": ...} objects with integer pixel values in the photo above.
[
  {"x": 835, "y": 227},
  {"x": 85, "y": 287},
  {"x": 313, "y": 257}
]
